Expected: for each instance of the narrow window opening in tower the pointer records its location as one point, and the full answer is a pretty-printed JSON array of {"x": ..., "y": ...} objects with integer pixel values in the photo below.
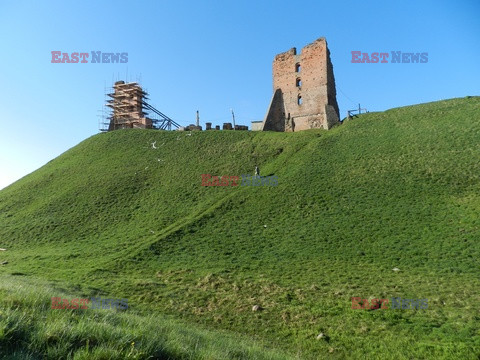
[
  {"x": 299, "y": 100},
  {"x": 297, "y": 67},
  {"x": 299, "y": 83}
]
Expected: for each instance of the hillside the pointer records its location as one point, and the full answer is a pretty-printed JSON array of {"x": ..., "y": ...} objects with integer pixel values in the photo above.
[{"x": 396, "y": 189}]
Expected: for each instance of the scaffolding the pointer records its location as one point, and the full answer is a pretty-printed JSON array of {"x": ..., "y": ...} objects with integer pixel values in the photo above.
[{"x": 129, "y": 109}]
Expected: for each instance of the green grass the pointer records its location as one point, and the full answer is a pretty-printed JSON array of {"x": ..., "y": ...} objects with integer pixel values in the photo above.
[
  {"x": 30, "y": 329},
  {"x": 115, "y": 217}
]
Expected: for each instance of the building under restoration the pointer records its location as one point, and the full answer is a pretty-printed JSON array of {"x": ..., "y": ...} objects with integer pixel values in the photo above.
[
  {"x": 127, "y": 107},
  {"x": 130, "y": 110},
  {"x": 304, "y": 95}
]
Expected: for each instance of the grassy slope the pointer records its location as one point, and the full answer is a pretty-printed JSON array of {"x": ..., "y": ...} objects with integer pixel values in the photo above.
[
  {"x": 393, "y": 189},
  {"x": 30, "y": 329}
]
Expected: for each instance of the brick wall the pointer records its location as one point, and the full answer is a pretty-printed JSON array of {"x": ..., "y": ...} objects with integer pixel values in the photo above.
[{"x": 304, "y": 90}]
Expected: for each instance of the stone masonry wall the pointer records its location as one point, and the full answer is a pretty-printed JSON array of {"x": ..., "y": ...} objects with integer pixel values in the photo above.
[{"x": 304, "y": 90}]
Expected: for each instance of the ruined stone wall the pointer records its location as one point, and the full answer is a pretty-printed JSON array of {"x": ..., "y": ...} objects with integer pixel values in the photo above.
[
  {"x": 304, "y": 90},
  {"x": 127, "y": 107},
  {"x": 275, "y": 119}
]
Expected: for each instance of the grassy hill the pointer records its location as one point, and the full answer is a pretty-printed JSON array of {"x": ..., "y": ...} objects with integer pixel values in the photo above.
[{"x": 115, "y": 217}]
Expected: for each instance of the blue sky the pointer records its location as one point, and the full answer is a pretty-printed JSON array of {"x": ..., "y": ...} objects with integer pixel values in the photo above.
[{"x": 212, "y": 56}]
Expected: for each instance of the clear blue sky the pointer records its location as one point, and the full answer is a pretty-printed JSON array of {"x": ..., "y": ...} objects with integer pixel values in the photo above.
[{"x": 213, "y": 56}]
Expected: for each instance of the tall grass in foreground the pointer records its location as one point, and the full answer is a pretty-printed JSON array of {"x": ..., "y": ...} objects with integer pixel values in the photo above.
[{"x": 30, "y": 329}]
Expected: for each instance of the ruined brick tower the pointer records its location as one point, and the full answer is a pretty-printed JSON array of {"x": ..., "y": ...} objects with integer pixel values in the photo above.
[
  {"x": 127, "y": 104},
  {"x": 304, "y": 90}
]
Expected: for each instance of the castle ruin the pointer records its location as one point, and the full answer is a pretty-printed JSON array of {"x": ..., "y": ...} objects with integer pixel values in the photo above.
[
  {"x": 130, "y": 110},
  {"x": 127, "y": 105},
  {"x": 304, "y": 91}
]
